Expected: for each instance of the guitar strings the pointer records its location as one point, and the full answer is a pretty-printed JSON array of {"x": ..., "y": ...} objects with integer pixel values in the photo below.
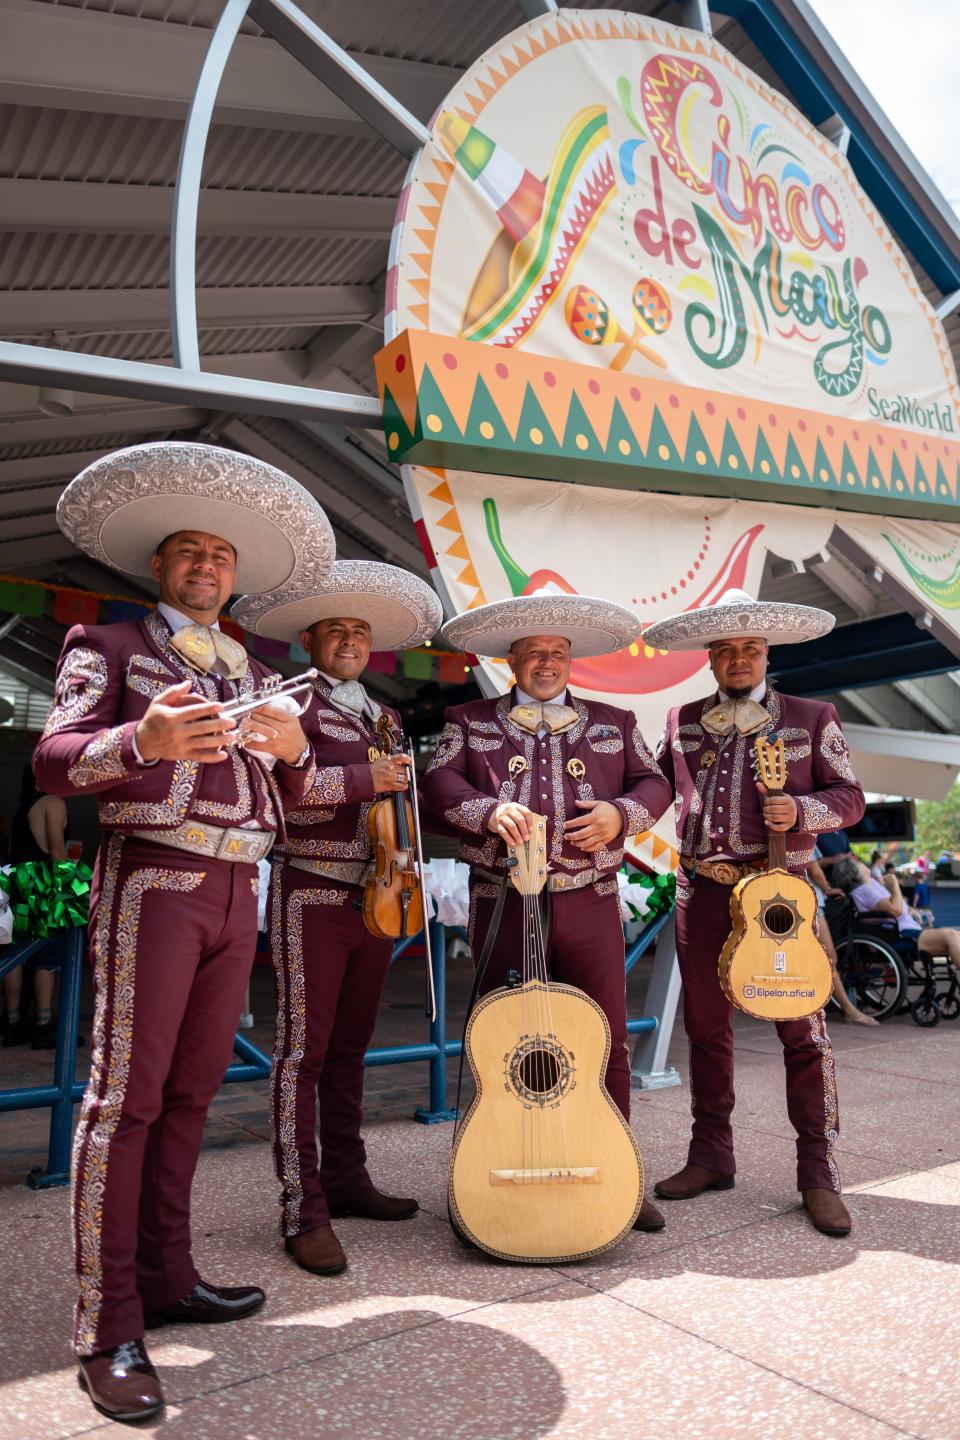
[{"x": 564, "y": 1145}]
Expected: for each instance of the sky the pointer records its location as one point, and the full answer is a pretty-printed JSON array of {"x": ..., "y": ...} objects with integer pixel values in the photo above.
[{"x": 907, "y": 53}]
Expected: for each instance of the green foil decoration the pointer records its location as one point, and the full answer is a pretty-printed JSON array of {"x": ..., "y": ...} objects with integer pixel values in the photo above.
[
  {"x": 47, "y": 896},
  {"x": 659, "y": 891}
]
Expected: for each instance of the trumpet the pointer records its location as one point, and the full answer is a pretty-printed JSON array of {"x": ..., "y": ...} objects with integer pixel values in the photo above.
[{"x": 270, "y": 690}]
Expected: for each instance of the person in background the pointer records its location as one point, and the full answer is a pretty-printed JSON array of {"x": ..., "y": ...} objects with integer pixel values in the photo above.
[
  {"x": 876, "y": 865},
  {"x": 848, "y": 1011},
  {"x": 870, "y": 895},
  {"x": 38, "y": 832}
]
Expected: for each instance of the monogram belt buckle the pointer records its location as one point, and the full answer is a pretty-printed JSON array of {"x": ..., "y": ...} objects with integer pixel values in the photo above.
[{"x": 235, "y": 845}]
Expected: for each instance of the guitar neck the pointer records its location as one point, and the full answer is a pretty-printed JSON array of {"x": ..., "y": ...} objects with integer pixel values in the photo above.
[{"x": 776, "y": 844}]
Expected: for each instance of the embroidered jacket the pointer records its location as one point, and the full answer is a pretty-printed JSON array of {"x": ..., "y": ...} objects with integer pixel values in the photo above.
[
  {"x": 106, "y": 678},
  {"x": 484, "y": 759},
  {"x": 718, "y": 807},
  {"x": 330, "y": 821}
]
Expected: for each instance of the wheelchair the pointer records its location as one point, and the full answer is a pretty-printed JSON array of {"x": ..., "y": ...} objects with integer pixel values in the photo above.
[
  {"x": 878, "y": 967},
  {"x": 872, "y": 969}
]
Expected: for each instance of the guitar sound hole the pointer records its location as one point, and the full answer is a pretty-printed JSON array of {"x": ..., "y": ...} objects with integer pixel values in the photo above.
[
  {"x": 779, "y": 919},
  {"x": 539, "y": 1071}
]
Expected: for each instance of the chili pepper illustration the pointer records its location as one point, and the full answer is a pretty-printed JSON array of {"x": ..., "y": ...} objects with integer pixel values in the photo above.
[{"x": 638, "y": 670}]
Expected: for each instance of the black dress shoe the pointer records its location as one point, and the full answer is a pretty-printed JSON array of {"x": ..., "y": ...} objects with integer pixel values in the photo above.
[
  {"x": 121, "y": 1382},
  {"x": 209, "y": 1305}
]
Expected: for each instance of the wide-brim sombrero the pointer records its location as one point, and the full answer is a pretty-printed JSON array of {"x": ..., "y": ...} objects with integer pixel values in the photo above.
[
  {"x": 737, "y": 616},
  {"x": 593, "y": 626},
  {"x": 399, "y": 607},
  {"x": 121, "y": 507}
]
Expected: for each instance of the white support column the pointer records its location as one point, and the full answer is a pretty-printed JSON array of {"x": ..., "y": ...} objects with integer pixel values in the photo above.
[
  {"x": 695, "y": 15},
  {"x": 650, "y": 1070}
]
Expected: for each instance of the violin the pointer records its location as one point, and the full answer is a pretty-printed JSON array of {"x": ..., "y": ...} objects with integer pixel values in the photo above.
[{"x": 393, "y": 894}]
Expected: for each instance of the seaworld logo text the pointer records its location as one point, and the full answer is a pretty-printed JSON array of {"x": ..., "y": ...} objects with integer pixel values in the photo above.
[{"x": 908, "y": 411}]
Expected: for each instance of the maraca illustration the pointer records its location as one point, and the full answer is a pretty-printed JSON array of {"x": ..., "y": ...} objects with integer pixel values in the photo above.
[{"x": 588, "y": 317}]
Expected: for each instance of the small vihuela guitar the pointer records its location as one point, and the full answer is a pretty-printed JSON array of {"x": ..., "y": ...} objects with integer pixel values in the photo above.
[
  {"x": 772, "y": 964},
  {"x": 544, "y": 1167}
]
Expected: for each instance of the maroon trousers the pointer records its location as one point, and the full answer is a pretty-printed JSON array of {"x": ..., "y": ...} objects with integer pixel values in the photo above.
[
  {"x": 584, "y": 947},
  {"x": 703, "y": 924},
  {"x": 330, "y": 973},
  {"x": 172, "y": 941}
]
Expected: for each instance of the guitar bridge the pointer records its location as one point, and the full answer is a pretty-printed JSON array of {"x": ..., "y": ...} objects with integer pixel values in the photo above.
[{"x": 562, "y": 1175}]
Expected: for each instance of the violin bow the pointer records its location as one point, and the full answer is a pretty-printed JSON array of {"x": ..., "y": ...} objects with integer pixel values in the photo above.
[{"x": 431, "y": 991}]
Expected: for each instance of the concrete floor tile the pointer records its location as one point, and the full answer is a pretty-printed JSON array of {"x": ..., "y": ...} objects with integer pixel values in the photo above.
[{"x": 581, "y": 1366}]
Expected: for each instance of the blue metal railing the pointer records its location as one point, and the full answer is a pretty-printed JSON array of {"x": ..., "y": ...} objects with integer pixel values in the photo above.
[{"x": 251, "y": 1063}]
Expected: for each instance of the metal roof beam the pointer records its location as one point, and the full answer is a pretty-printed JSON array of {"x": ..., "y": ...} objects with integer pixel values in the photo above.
[
  {"x": 841, "y": 579},
  {"x": 18, "y": 663},
  {"x": 129, "y": 419},
  {"x": 49, "y": 546},
  {"x": 93, "y": 207},
  {"x": 865, "y": 707},
  {"x": 695, "y": 15},
  {"x": 926, "y": 704},
  {"x": 37, "y": 365},
  {"x": 73, "y": 59},
  {"x": 104, "y": 312},
  {"x": 359, "y": 508},
  {"x": 374, "y": 102},
  {"x": 25, "y": 473}
]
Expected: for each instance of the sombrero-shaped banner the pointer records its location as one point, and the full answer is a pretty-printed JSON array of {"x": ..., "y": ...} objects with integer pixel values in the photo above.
[
  {"x": 120, "y": 508},
  {"x": 737, "y": 616},
  {"x": 399, "y": 607},
  {"x": 593, "y": 626}
]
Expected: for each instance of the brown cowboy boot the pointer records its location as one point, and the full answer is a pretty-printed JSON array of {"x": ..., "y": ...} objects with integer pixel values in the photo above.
[
  {"x": 373, "y": 1204},
  {"x": 317, "y": 1250},
  {"x": 649, "y": 1218},
  {"x": 827, "y": 1212},
  {"x": 690, "y": 1182}
]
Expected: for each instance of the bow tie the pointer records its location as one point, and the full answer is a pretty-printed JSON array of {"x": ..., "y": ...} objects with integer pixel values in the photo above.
[
  {"x": 555, "y": 718},
  {"x": 744, "y": 715},
  {"x": 352, "y": 697},
  {"x": 209, "y": 650}
]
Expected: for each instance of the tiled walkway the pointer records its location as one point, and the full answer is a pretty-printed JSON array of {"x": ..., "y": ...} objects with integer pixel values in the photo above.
[{"x": 738, "y": 1322}]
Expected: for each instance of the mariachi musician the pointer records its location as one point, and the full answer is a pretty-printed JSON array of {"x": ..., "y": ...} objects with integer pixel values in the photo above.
[
  {"x": 583, "y": 765},
  {"x": 722, "y": 822},
  {"x": 185, "y": 816},
  {"x": 329, "y": 968}
]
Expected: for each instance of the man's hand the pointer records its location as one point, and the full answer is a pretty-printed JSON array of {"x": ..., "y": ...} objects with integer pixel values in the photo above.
[
  {"x": 834, "y": 893},
  {"x": 178, "y": 726},
  {"x": 592, "y": 831},
  {"x": 390, "y": 773},
  {"x": 274, "y": 731},
  {"x": 511, "y": 821},
  {"x": 779, "y": 811}
]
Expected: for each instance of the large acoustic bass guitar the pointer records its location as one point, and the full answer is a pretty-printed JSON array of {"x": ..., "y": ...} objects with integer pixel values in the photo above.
[
  {"x": 772, "y": 964},
  {"x": 544, "y": 1167}
]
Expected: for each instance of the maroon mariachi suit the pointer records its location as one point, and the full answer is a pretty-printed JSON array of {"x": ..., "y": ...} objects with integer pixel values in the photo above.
[
  {"x": 471, "y": 774},
  {"x": 172, "y": 938},
  {"x": 719, "y": 814},
  {"x": 329, "y": 971}
]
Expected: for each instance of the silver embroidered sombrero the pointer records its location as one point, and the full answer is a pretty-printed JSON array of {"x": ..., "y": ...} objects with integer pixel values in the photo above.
[
  {"x": 121, "y": 507},
  {"x": 737, "y": 616},
  {"x": 593, "y": 626},
  {"x": 401, "y": 610}
]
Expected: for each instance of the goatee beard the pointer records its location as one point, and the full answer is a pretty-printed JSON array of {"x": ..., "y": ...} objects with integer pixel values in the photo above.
[{"x": 739, "y": 692}]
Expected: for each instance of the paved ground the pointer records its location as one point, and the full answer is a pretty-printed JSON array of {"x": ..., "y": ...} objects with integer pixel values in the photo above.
[{"x": 738, "y": 1321}]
